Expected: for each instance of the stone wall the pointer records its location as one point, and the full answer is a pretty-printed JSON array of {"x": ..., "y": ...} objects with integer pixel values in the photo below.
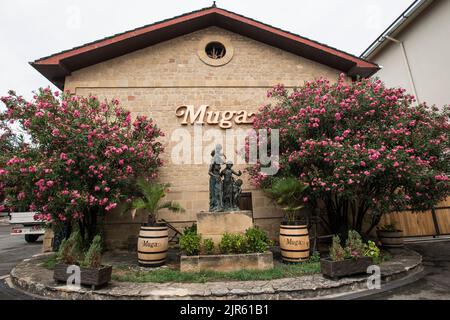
[{"x": 156, "y": 80}]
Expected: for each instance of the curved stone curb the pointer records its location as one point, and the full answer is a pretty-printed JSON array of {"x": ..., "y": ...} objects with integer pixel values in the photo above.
[{"x": 31, "y": 277}]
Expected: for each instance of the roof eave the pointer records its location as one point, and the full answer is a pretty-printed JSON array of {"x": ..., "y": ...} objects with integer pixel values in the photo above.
[
  {"x": 55, "y": 73},
  {"x": 56, "y": 67}
]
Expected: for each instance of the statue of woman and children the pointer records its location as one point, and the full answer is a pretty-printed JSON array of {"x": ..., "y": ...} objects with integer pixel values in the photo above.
[{"x": 224, "y": 190}]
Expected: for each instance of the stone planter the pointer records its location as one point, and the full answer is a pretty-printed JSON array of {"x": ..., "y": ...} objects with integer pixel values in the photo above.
[
  {"x": 89, "y": 276},
  {"x": 338, "y": 269},
  {"x": 391, "y": 239},
  {"x": 227, "y": 263}
]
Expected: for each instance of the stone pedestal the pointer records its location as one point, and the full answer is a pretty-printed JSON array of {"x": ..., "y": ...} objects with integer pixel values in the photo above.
[{"x": 212, "y": 225}]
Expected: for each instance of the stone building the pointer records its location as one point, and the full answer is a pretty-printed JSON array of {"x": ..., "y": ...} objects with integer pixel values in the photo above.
[{"x": 210, "y": 57}]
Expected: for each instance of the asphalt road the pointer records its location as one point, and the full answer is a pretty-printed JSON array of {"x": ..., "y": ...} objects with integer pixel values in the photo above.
[
  {"x": 12, "y": 251},
  {"x": 436, "y": 283}
]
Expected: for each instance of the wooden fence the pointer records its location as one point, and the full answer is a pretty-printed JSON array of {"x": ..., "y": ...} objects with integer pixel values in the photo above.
[{"x": 422, "y": 224}]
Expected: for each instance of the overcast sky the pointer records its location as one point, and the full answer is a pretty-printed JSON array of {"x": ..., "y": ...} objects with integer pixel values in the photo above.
[{"x": 31, "y": 29}]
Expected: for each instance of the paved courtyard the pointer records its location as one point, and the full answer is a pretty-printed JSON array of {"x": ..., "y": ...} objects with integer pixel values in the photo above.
[
  {"x": 12, "y": 251},
  {"x": 434, "y": 285}
]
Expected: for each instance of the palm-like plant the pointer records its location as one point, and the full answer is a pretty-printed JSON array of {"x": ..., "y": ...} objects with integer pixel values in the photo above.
[
  {"x": 288, "y": 192},
  {"x": 152, "y": 194}
]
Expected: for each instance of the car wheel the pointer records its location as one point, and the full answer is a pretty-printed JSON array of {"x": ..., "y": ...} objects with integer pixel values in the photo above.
[{"x": 30, "y": 238}]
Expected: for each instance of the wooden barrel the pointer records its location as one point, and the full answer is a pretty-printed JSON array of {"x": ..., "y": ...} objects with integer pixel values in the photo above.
[
  {"x": 391, "y": 239},
  {"x": 153, "y": 243},
  {"x": 294, "y": 243}
]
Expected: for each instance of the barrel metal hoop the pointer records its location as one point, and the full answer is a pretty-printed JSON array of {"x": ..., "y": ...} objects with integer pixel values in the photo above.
[
  {"x": 150, "y": 261},
  {"x": 293, "y": 228},
  {"x": 293, "y": 235},
  {"x": 294, "y": 259},
  {"x": 286, "y": 250},
  {"x": 155, "y": 229},
  {"x": 159, "y": 252},
  {"x": 150, "y": 237}
]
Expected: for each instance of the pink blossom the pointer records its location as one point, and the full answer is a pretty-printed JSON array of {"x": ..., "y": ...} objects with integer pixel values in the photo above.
[
  {"x": 110, "y": 206},
  {"x": 441, "y": 177}
]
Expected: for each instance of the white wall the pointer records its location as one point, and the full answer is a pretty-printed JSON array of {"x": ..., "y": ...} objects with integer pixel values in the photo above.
[{"x": 427, "y": 44}]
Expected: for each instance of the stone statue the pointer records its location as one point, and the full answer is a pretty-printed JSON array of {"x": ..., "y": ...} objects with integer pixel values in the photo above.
[
  {"x": 228, "y": 184},
  {"x": 215, "y": 180},
  {"x": 224, "y": 191}
]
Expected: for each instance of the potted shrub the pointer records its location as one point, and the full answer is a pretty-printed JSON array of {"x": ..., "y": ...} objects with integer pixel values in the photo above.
[
  {"x": 294, "y": 235},
  {"x": 390, "y": 236},
  {"x": 93, "y": 273},
  {"x": 355, "y": 258},
  {"x": 153, "y": 241}
]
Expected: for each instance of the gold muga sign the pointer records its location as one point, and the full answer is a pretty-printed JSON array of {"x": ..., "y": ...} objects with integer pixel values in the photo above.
[{"x": 224, "y": 119}]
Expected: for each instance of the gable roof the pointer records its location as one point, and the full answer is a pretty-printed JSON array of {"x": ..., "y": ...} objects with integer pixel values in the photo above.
[{"x": 57, "y": 66}]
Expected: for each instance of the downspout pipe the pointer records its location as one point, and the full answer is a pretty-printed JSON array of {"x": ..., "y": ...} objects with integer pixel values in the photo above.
[{"x": 408, "y": 66}]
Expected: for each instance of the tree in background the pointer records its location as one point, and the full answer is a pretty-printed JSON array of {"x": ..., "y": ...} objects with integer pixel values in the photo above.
[{"x": 363, "y": 149}]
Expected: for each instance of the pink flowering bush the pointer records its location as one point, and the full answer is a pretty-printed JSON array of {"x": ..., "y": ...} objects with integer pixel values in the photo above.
[
  {"x": 8, "y": 144},
  {"x": 364, "y": 149},
  {"x": 83, "y": 159}
]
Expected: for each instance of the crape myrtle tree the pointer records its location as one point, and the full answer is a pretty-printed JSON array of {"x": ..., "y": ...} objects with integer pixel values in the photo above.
[
  {"x": 365, "y": 150},
  {"x": 82, "y": 161},
  {"x": 9, "y": 143}
]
